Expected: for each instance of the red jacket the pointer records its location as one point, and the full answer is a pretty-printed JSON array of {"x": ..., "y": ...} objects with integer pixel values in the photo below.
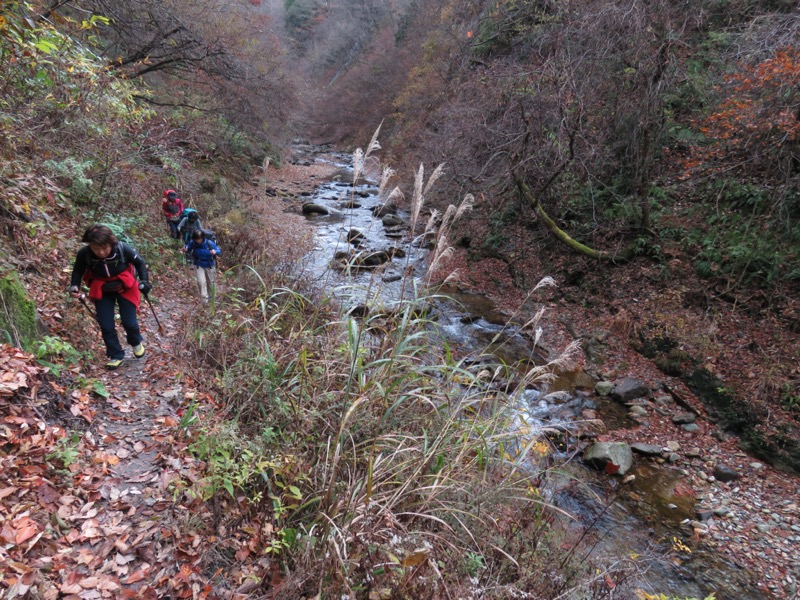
[
  {"x": 167, "y": 208},
  {"x": 127, "y": 278}
]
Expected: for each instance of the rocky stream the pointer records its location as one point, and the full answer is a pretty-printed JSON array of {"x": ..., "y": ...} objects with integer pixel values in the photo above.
[{"x": 627, "y": 501}]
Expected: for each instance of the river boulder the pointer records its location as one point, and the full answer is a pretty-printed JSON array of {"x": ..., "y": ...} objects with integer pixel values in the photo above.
[
  {"x": 311, "y": 208},
  {"x": 392, "y": 221},
  {"x": 629, "y": 388},
  {"x": 614, "y": 458},
  {"x": 355, "y": 237},
  {"x": 373, "y": 259}
]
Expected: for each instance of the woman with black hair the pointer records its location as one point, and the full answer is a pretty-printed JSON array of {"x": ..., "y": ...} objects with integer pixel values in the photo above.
[{"x": 109, "y": 268}]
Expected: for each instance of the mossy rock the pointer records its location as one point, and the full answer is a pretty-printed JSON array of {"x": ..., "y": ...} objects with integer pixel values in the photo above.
[{"x": 17, "y": 313}]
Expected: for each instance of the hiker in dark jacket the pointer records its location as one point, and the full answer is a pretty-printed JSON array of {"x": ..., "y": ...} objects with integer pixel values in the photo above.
[
  {"x": 109, "y": 268},
  {"x": 204, "y": 255},
  {"x": 189, "y": 224}
]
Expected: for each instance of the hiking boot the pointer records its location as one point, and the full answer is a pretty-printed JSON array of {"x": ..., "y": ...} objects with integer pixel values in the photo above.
[
  {"x": 114, "y": 363},
  {"x": 138, "y": 350}
]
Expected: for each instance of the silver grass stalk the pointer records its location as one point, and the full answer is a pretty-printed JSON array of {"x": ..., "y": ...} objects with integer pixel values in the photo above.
[
  {"x": 395, "y": 195},
  {"x": 444, "y": 229},
  {"x": 386, "y": 175},
  {"x": 373, "y": 143},
  {"x": 431, "y": 224},
  {"x": 437, "y": 172},
  {"x": 466, "y": 205},
  {"x": 358, "y": 164},
  {"x": 454, "y": 277},
  {"x": 416, "y": 201},
  {"x": 545, "y": 282}
]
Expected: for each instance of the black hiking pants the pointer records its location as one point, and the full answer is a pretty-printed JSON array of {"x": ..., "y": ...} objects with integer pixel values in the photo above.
[{"x": 127, "y": 314}]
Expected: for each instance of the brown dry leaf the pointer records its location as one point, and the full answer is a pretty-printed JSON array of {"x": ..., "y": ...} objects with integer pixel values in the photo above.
[
  {"x": 139, "y": 575},
  {"x": 7, "y": 491},
  {"x": 26, "y": 530}
]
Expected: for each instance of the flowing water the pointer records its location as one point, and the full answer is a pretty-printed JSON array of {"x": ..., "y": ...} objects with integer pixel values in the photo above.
[{"x": 614, "y": 522}]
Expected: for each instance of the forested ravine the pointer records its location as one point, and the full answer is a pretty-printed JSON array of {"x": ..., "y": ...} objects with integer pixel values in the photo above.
[{"x": 643, "y": 514}]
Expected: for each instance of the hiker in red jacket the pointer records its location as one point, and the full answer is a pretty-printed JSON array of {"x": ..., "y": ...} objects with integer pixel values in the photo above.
[
  {"x": 172, "y": 209},
  {"x": 109, "y": 268}
]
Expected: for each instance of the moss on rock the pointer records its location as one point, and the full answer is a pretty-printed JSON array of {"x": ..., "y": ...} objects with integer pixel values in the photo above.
[{"x": 17, "y": 313}]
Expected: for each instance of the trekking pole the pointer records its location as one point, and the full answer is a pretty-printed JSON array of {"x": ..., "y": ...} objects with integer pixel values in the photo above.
[
  {"x": 161, "y": 330},
  {"x": 82, "y": 298}
]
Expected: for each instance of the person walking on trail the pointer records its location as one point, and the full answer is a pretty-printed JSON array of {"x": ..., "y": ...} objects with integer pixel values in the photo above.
[
  {"x": 109, "y": 268},
  {"x": 189, "y": 224},
  {"x": 204, "y": 255},
  {"x": 172, "y": 209}
]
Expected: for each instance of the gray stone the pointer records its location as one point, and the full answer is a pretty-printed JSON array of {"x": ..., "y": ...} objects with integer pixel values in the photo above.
[
  {"x": 355, "y": 237},
  {"x": 310, "y": 208},
  {"x": 629, "y": 388},
  {"x": 391, "y": 277},
  {"x": 724, "y": 473},
  {"x": 690, "y": 427},
  {"x": 392, "y": 221},
  {"x": 682, "y": 418},
  {"x": 637, "y": 411},
  {"x": 603, "y": 388},
  {"x": 613, "y": 457},
  {"x": 704, "y": 514},
  {"x": 646, "y": 449}
]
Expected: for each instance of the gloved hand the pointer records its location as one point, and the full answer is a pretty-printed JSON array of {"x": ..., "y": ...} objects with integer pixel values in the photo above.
[
  {"x": 74, "y": 291},
  {"x": 145, "y": 287}
]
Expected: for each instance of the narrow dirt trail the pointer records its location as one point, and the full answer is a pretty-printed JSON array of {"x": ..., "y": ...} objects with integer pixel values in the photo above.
[{"x": 117, "y": 521}]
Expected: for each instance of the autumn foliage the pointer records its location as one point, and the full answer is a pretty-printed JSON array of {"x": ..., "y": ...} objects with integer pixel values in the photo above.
[{"x": 756, "y": 124}]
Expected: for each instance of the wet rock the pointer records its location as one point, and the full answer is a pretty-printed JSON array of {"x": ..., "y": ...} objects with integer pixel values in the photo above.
[
  {"x": 629, "y": 388},
  {"x": 359, "y": 311},
  {"x": 396, "y": 252},
  {"x": 341, "y": 255},
  {"x": 613, "y": 457},
  {"x": 392, "y": 277},
  {"x": 646, "y": 449},
  {"x": 557, "y": 397},
  {"x": 724, "y": 473},
  {"x": 355, "y": 237},
  {"x": 373, "y": 259},
  {"x": 383, "y": 210},
  {"x": 603, "y": 388},
  {"x": 392, "y": 221},
  {"x": 683, "y": 418},
  {"x": 351, "y": 204},
  {"x": 311, "y": 208}
]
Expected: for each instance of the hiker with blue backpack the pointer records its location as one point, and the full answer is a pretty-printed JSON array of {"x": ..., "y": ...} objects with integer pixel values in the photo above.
[
  {"x": 204, "y": 253},
  {"x": 109, "y": 268}
]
